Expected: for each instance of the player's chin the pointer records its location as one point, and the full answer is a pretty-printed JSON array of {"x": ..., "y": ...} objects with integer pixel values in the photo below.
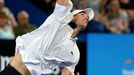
[{"x": 83, "y": 27}]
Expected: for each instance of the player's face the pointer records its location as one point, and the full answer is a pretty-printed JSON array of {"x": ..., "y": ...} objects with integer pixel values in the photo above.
[
  {"x": 81, "y": 19},
  {"x": 23, "y": 20},
  {"x": 3, "y": 22}
]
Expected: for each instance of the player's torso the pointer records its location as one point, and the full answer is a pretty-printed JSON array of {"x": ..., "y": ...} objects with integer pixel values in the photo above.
[{"x": 64, "y": 47}]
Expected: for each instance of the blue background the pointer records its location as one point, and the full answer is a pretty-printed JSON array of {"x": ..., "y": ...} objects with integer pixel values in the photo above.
[{"x": 107, "y": 53}]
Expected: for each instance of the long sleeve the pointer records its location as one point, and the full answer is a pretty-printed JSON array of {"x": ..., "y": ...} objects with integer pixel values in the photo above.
[{"x": 63, "y": 13}]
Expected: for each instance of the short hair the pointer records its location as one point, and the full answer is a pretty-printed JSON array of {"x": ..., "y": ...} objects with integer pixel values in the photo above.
[{"x": 22, "y": 13}]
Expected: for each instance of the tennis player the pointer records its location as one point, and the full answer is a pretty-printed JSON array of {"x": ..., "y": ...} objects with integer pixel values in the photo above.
[{"x": 52, "y": 47}]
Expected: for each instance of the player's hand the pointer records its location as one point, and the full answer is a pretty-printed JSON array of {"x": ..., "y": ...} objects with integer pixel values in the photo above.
[{"x": 77, "y": 73}]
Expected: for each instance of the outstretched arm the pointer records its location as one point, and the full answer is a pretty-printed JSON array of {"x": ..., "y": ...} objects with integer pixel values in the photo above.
[{"x": 62, "y": 2}]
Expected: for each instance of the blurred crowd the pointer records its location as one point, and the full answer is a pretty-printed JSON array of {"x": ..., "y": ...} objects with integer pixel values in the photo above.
[
  {"x": 10, "y": 28},
  {"x": 114, "y": 16},
  {"x": 111, "y": 16}
]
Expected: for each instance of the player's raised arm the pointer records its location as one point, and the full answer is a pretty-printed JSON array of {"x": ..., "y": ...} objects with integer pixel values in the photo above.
[
  {"x": 62, "y": 2},
  {"x": 62, "y": 11}
]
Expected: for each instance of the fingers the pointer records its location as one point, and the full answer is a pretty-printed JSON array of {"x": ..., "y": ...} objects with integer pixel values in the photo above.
[
  {"x": 77, "y": 73},
  {"x": 65, "y": 71}
]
